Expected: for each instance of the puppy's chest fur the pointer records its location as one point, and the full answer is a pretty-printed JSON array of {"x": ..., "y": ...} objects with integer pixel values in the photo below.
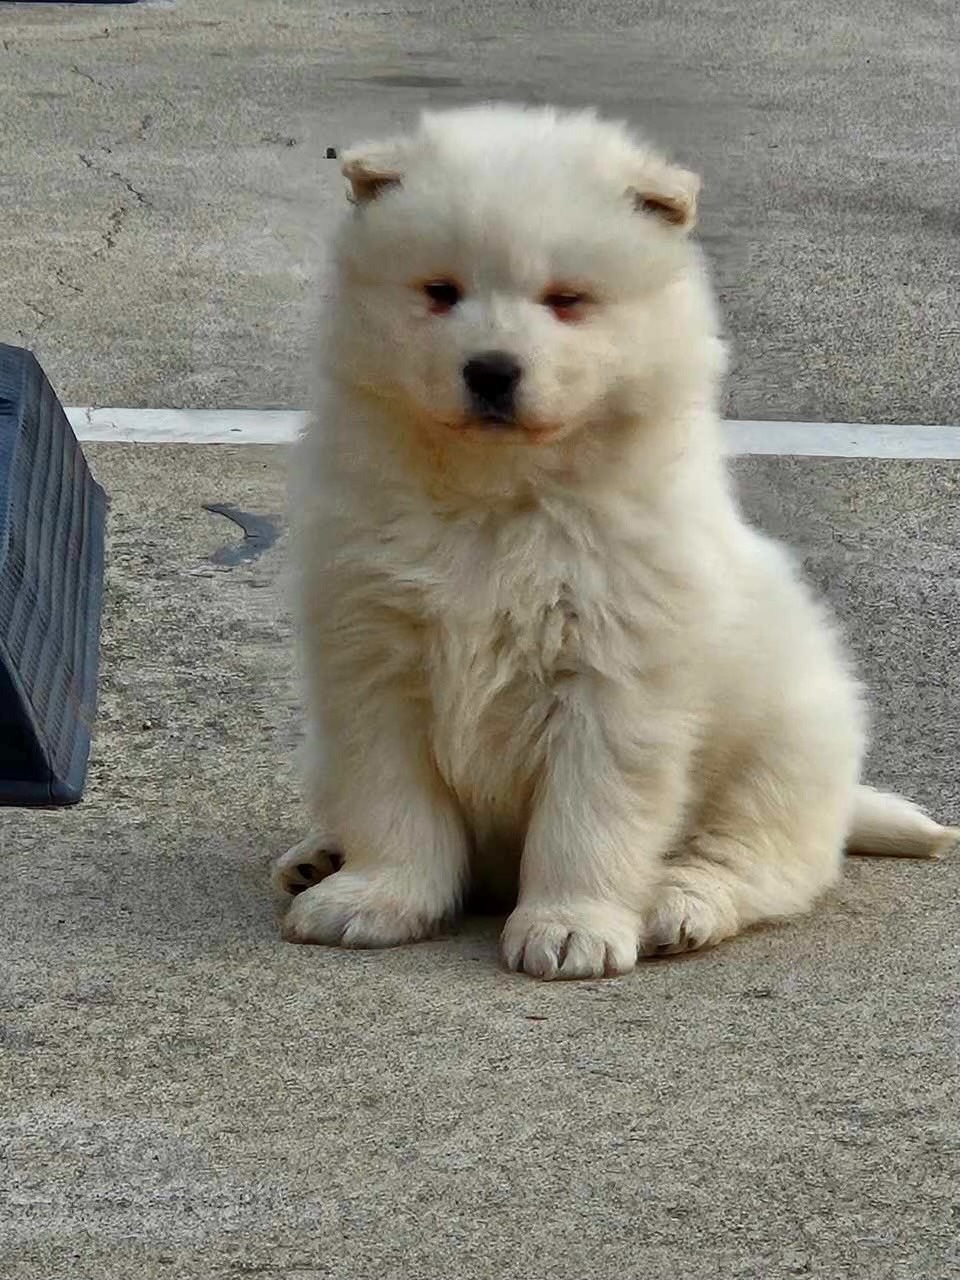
[{"x": 521, "y": 611}]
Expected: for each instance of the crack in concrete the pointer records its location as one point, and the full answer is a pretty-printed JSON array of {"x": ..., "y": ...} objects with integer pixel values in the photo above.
[
  {"x": 134, "y": 191},
  {"x": 102, "y": 35},
  {"x": 114, "y": 227},
  {"x": 38, "y": 310},
  {"x": 65, "y": 283},
  {"x": 85, "y": 75},
  {"x": 115, "y": 174},
  {"x": 118, "y": 216},
  {"x": 118, "y": 32}
]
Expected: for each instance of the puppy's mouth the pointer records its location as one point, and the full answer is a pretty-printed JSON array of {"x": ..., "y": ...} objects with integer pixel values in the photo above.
[
  {"x": 491, "y": 427},
  {"x": 484, "y": 421},
  {"x": 494, "y": 420},
  {"x": 493, "y": 413}
]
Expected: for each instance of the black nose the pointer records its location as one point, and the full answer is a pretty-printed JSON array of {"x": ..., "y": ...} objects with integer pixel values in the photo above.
[{"x": 491, "y": 379}]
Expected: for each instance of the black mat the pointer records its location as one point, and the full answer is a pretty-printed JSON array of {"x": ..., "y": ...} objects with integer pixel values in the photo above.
[{"x": 52, "y": 516}]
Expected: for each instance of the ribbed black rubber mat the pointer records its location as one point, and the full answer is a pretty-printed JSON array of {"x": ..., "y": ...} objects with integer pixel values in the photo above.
[{"x": 52, "y": 517}]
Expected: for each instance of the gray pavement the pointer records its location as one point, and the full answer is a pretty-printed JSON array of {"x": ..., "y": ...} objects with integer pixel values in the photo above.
[
  {"x": 163, "y": 186},
  {"x": 182, "y": 1095},
  {"x": 185, "y": 1096}
]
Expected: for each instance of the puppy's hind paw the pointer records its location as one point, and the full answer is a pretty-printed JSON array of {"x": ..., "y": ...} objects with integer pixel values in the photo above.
[
  {"x": 352, "y": 909},
  {"x": 688, "y": 914},
  {"x": 306, "y": 864}
]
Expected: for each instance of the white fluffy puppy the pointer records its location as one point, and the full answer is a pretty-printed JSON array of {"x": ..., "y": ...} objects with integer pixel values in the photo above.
[{"x": 544, "y": 653}]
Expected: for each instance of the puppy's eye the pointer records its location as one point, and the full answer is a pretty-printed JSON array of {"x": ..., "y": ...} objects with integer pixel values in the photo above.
[
  {"x": 566, "y": 304},
  {"x": 443, "y": 294}
]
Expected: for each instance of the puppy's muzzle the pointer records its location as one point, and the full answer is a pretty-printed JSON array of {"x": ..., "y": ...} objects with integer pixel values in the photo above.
[{"x": 491, "y": 380}]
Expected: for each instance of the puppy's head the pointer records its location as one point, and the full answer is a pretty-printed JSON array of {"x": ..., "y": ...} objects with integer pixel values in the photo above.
[{"x": 518, "y": 275}]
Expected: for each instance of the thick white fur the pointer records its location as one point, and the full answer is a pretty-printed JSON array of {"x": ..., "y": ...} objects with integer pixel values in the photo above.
[{"x": 561, "y": 647}]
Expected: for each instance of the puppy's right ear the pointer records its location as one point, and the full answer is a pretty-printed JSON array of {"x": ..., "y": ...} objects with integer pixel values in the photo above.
[{"x": 372, "y": 169}]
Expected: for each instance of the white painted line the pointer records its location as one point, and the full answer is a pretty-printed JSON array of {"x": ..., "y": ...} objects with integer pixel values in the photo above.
[
  {"x": 842, "y": 439},
  {"x": 280, "y": 426},
  {"x": 187, "y": 426}
]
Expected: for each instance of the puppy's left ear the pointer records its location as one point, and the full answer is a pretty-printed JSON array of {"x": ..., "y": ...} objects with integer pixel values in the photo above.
[
  {"x": 668, "y": 193},
  {"x": 372, "y": 169}
]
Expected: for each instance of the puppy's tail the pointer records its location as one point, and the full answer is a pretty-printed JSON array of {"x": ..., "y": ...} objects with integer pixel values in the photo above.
[{"x": 888, "y": 826}]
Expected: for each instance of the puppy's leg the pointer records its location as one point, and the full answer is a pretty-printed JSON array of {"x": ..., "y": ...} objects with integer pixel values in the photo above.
[
  {"x": 768, "y": 843},
  {"x": 605, "y": 812},
  {"x": 402, "y": 838}
]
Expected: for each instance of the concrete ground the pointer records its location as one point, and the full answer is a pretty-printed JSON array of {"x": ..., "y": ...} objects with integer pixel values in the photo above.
[
  {"x": 163, "y": 180},
  {"x": 182, "y": 1095},
  {"x": 186, "y": 1096}
]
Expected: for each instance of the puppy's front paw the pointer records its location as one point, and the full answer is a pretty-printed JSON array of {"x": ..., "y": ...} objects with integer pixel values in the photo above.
[
  {"x": 351, "y": 909},
  {"x": 572, "y": 940},
  {"x": 307, "y": 863}
]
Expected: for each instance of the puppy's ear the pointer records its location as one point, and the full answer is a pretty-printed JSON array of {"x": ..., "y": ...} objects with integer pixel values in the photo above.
[
  {"x": 668, "y": 193},
  {"x": 372, "y": 169}
]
